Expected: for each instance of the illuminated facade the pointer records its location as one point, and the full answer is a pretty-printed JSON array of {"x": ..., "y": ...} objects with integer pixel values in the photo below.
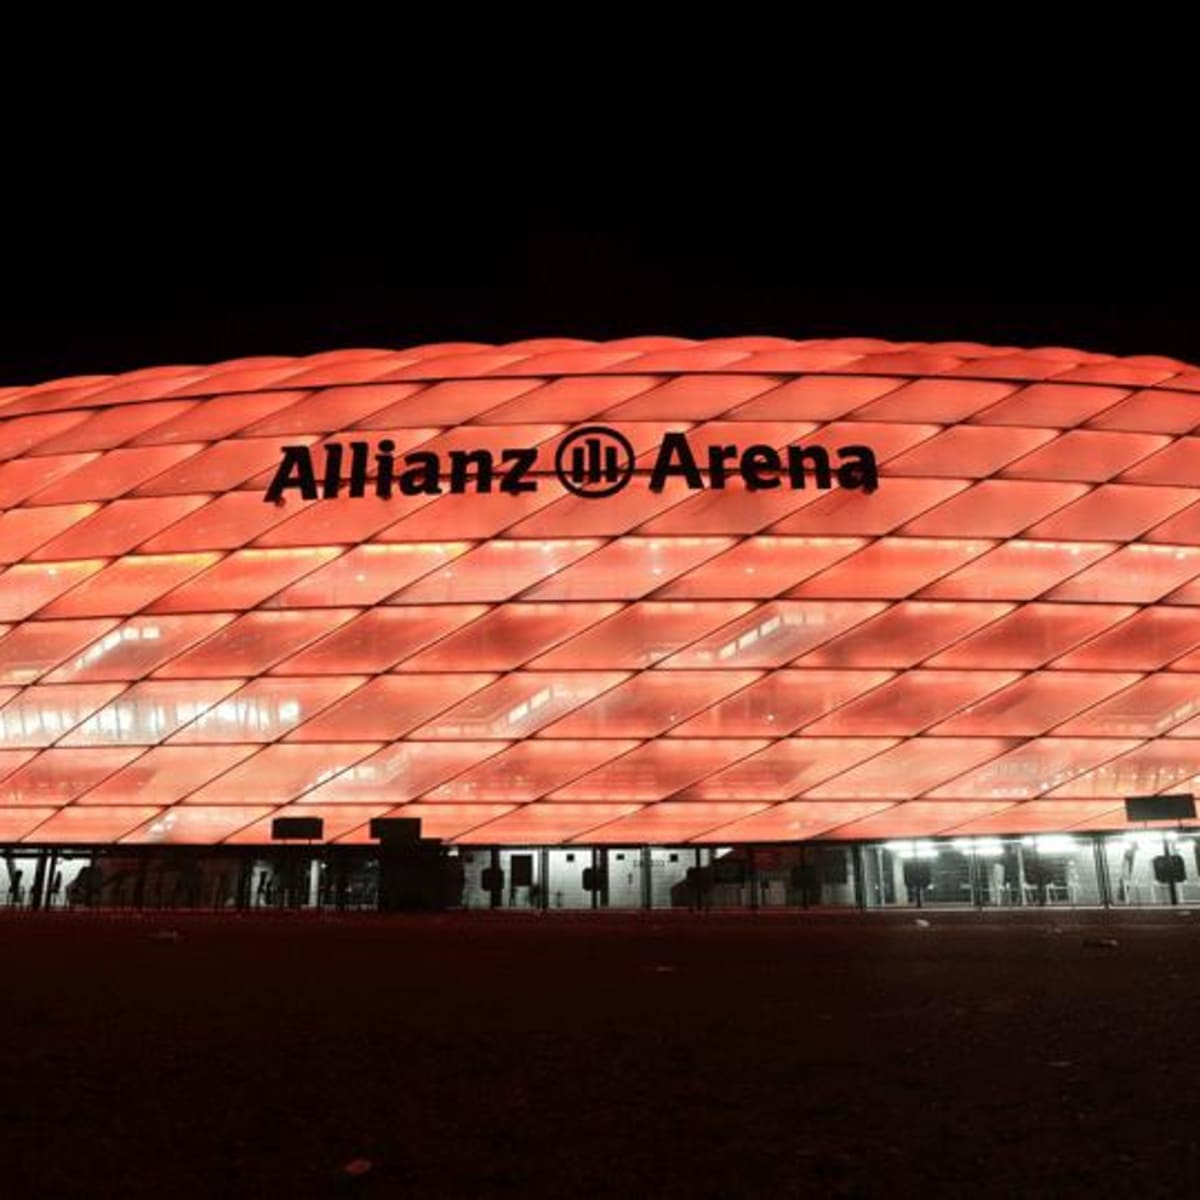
[{"x": 997, "y": 636}]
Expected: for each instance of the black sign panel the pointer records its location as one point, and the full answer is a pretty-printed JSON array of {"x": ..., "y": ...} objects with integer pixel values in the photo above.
[
  {"x": 299, "y": 829},
  {"x": 396, "y": 829},
  {"x": 1160, "y": 808}
]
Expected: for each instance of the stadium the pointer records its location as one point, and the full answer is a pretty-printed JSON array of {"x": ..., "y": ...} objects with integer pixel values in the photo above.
[{"x": 639, "y": 624}]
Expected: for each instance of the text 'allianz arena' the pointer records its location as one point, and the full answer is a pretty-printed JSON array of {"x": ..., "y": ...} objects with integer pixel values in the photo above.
[{"x": 997, "y": 636}]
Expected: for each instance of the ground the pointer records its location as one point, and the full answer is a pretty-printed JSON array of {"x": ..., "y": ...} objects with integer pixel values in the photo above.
[{"x": 671, "y": 1054}]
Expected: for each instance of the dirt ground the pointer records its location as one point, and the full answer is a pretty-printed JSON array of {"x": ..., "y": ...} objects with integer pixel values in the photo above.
[{"x": 673, "y": 1054}]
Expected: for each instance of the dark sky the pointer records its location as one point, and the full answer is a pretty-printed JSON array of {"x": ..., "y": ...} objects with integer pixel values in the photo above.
[{"x": 161, "y": 217}]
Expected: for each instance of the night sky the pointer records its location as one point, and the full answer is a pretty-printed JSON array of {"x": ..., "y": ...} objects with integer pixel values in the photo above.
[{"x": 153, "y": 216}]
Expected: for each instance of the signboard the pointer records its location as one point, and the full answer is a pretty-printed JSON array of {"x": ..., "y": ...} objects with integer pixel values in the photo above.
[{"x": 1160, "y": 808}]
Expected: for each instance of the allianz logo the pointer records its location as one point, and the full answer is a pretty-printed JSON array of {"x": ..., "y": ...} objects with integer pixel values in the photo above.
[{"x": 592, "y": 462}]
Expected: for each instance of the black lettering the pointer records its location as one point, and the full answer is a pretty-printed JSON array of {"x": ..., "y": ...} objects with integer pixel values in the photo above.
[
  {"x": 461, "y": 462},
  {"x": 332, "y": 483},
  {"x": 801, "y": 459},
  {"x": 294, "y": 471},
  {"x": 360, "y": 458},
  {"x": 421, "y": 476},
  {"x": 718, "y": 456},
  {"x": 514, "y": 480},
  {"x": 760, "y": 467},
  {"x": 386, "y": 467},
  {"x": 862, "y": 473},
  {"x": 675, "y": 445}
]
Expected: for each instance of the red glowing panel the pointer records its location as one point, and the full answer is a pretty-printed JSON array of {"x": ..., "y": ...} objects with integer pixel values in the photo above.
[
  {"x": 797, "y": 821},
  {"x": 497, "y": 570},
  {"x": 759, "y": 568},
  {"x": 265, "y": 709},
  {"x": 10, "y": 760},
  {"x": 628, "y": 568},
  {"x": 657, "y": 769},
  {"x": 22, "y": 434},
  {"x": 995, "y": 508},
  {"x": 912, "y": 702},
  {"x": 57, "y": 777},
  {"x": 388, "y": 707},
  {"x": 692, "y": 397},
  {"x": 779, "y": 703},
  {"x": 1147, "y": 709},
  {"x": 815, "y": 398},
  {"x": 518, "y": 704},
  {"x": 196, "y": 826},
  {"x": 277, "y": 774},
  {"x": 337, "y": 822},
  {"x": 649, "y": 704},
  {"x": 16, "y": 823},
  {"x": 26, "y": 587},
  {"x": 378, "y": 639},
  {"x": 224, "y": 523},
  {"x": 775, "y": 633},
  {"x": 909, "y": 769},
  {"x": 896, "y": 501},
  {"x": 111, "y": 427},
  {"x": 569, "y": 400},
  {"x": 128, "y": 585},
  {"x": 1056, "y": 405},
  {"x": 137, "y": 647},
  {"x": 906, "y": 634},
  {"x": 944, "y": 400},
  {"x": 1152, "y": 411},
  {"x": 453, "y": 822},
  {"x": 1178, "y": 463},
  {"x": 253, "y": 643},
  {"x": 1114, "y": 511},
  {"x": 167, "y": 774},
  {"x": 529, "y": 770},
  {"x": 1035, "y": 767},
  {"x": 451, "y": 403},
  {"x": 1183, "y": 528},
  {"x": 345, "y": 520},
  {"x": 1037, "y": 816},
  {"x": 733, "y": 509},
  {"x": 244, "y": 579},
  {"x": 1018, "y": 570},
  {"x": 1156, "y": 767},
  {"x": 38, "y": 716},
  {"x": 495, "y": 439},
  {"x": 583, "y": 516},
  {"x": 149, "y": 712},
  {"x": 22, "y": 477},
  {"x": 118, "y": 527},
  {"x": 217, "y": 417},
  {"x": 91, "y": 825},
  {"x": 640, "y": 635},
  {"x": 32, "y": 649},
  {"x": 329, "y": 410},
  {"x": 892, "y": 568},
  {"x": 114, "y": 474},
  {"x": 1086, "y": 455},
  {"x": 24, "y": 529},
  {"x": 1035, "y": 703},
  {"x": 1146, "y": 642},
  {"x": 403, "y": 771},
  {"x": 1134, "y": 574},
  {"x": 916, "y": 818},
  {"x": 786, "y": 768},
  {"x": 1033, "y": 635},
  {"x": 368, "y": 574},
  {"x": 467, "y": 516},
  {"x": 215, "y": 469},
  {"x": 670, "y": 823},
  {"x": 538, "y": 824},
  {"x": 969, "y": 451},
  {"x": 509, "y": 636}
]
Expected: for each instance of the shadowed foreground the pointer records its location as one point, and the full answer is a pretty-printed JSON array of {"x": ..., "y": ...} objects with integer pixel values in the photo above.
[{"x": 667, "y": 1055}]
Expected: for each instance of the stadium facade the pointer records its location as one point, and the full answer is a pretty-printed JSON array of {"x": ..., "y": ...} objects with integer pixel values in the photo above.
[{"x": 641, "y": 623}]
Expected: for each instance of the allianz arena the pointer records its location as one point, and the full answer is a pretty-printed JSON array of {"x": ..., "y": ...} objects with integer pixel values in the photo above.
[{"x": 378, "y": 583}]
